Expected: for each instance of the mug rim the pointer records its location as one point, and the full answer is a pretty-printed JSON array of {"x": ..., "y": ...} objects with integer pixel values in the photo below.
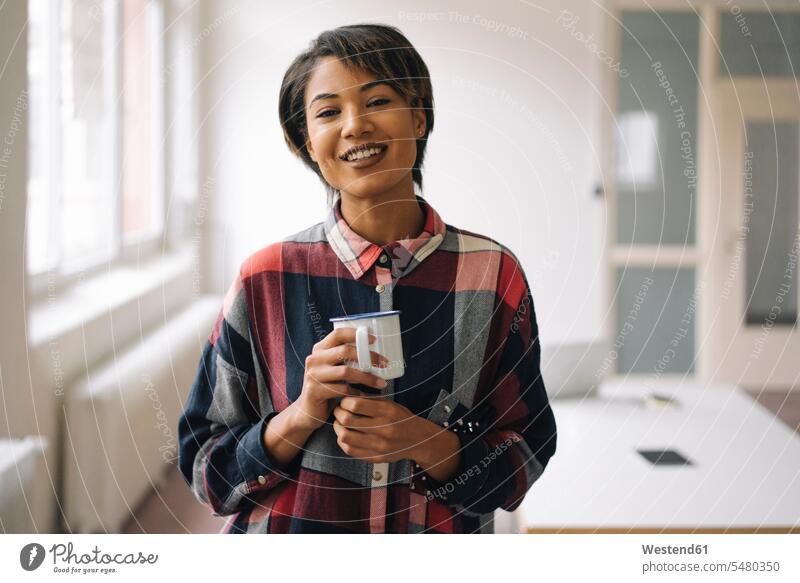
[{"x": 364, "y": 316}]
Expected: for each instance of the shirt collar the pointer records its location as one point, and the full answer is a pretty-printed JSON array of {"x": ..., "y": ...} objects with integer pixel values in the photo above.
[{"x": 358, "y": 254}]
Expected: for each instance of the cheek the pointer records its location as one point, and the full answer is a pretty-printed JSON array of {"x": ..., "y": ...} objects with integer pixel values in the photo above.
[
  {"x": 323, "y": 152},
  {"x": 319, "y": 139},
  {"x": 406, "y": 153}
]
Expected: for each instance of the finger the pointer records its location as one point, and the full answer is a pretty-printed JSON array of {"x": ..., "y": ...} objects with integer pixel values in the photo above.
[
  {"x": 344, "y": 435},
  {"x": 333, "y": 390},
  {"x": 341, "y": 373},
  {"x": 366, "y": 454},
  {"x": 366, "y": 406},
  {"x": 340, "y": 336},
  {"x": 348, "y": 374},
  {"x": 353, "y": 421},
  {"x": 353, "y": 375},
  {"x": 347, "y": 352},
  {"x": 351, "y": 438}
]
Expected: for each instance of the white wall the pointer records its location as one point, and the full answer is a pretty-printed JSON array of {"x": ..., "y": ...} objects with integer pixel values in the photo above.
[
  {"x": 13, "y": 167},
  {"x": 520, "y": 169},
  {"x": 26, "y": 403}
]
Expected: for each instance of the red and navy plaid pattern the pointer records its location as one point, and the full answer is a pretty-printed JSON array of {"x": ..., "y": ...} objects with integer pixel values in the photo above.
[{"x": 471, "y": 347}]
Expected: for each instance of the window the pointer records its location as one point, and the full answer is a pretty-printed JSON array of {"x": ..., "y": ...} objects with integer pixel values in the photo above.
[
  {"x": 142, "y": 120},
  {"x": 96, "y": 188}
]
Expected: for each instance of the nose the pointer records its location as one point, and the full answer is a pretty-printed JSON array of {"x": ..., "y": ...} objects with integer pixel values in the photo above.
[{"x": 356, "y": 122}]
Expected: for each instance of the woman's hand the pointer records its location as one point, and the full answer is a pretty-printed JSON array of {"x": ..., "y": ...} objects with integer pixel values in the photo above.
[
  {"x": 326, "y": 376},
  {"x": 376, "y": 429}
]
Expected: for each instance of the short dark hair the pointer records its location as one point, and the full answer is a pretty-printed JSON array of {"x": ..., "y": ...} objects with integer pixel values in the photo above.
[{"x": 378, "y": 49}]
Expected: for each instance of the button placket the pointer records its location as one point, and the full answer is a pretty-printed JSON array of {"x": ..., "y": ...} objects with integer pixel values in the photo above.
[{"x": 378, "y": 474}]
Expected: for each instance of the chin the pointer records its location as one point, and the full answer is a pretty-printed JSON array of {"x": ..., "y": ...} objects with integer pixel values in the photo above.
[
  {"x": 370, "y": 187},
  {"x": 364, "y": 192}
]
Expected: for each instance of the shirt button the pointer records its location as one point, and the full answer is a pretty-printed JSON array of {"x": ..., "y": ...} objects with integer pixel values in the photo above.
[
  {"x": 445, "y": 424},
  {"x": 383, "y": 259},
  {"x": 379, "y": 288},
  {"x": 376, "y": 475},
  {"x": 262, "y": 480},
  {"x": 447, "y": 408}
]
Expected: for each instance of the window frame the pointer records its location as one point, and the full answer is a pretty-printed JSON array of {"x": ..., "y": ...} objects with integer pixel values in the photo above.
[{"x": 56, "y": 276}]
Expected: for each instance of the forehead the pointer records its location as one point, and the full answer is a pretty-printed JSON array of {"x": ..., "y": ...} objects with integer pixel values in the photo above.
[{"x": 330, "y": 75}]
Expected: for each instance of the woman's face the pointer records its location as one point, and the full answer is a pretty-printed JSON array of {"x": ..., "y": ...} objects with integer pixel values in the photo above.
[{"x": 344, "y": 110}]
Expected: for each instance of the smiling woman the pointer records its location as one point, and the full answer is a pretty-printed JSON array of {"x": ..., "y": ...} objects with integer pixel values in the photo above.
[
  {"x": 365, "y": 123},
  {"x": 355, "y": 86},
  {"x": 280, "y": 431}
]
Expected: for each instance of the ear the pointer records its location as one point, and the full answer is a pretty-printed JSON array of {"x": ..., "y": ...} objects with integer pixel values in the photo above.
[
  {"x": 310, "y": 149},
  {"x": 419, "y": 122}
]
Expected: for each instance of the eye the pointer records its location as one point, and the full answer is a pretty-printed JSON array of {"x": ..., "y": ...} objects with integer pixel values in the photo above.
[{"x": 380, "y": 101}]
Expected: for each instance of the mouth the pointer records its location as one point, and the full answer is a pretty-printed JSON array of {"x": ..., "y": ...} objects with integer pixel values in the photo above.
[{"x": 366, "y": 155}]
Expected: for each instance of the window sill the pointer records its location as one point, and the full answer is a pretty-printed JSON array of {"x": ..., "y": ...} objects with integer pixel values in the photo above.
[{"x": 96, "y": 317}]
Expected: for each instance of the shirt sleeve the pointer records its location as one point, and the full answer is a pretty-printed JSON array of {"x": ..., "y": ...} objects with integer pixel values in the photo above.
[
  {"x": 221, "y": 451},
  {"x": 509, "y": 435}
]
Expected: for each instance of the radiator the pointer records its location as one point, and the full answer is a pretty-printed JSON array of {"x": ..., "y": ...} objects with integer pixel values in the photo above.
[
  {"x": 22, "y": 477},
  {"x": 120, "y": 421}
]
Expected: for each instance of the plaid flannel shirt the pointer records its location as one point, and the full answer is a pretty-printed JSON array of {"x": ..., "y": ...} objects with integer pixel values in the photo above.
[{"x": 471, "y": 348}]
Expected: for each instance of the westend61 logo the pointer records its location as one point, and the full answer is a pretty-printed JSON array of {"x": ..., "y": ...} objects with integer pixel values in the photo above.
[{"x": 32, "y": 556}]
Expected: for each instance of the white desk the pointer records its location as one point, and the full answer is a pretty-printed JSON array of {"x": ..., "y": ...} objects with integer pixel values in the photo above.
[{"x": 745, "y": 477}]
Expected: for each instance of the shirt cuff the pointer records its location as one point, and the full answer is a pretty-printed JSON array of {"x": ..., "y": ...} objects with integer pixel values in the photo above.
[
  {"x": 259, "y": 469},
  {"x": 466, "y": 481}
]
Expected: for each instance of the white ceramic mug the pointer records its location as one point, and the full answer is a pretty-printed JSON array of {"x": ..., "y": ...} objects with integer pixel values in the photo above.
[{"x": 385, "y": 326}]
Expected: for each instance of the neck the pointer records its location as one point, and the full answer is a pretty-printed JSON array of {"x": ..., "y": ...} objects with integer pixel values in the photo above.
[{"x": 383, "y": 219}]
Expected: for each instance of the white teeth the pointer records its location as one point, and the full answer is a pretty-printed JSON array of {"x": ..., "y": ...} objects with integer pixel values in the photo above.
[{"x": 361, "y": 154}]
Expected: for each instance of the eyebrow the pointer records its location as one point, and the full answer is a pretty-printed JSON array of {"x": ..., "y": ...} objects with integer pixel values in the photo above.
[{"x": 365, "y": 87}]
